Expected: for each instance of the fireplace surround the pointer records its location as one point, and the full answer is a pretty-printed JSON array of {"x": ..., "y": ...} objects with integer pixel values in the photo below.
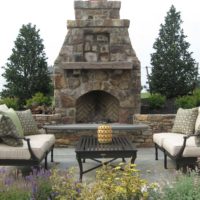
[{"x": 97, "y": 73}]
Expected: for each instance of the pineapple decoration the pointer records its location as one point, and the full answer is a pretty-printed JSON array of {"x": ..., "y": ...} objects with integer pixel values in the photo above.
[{"x": 104, "y": 134}]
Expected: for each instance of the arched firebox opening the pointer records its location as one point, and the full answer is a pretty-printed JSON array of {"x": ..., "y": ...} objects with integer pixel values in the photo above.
[{"x": 97, "y": 107}]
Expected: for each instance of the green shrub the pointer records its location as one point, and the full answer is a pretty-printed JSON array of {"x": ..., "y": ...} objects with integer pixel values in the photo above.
[
  {"x": 156, "y": 101},
  {"x": 14, "y": 194},
  {"x": 39, "y": 99},
  {"x": 186, "y": 102},
  {"x": 14, "y": 186},
  {"x": 122, "y": 182},
  {"x": 39, "y": 181},
  {"x": 196, "y": 95},
  {"x": 186, "y": 187},
  {"x": 64, "y": 185},
  {"x": 11, "y": 102},
  {"x": 145, "y": 95}
]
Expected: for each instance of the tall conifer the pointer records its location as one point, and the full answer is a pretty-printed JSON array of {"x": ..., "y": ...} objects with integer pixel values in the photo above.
[
  {"x": 26, "y": 71},
  {"x": 174, "y": 72}
]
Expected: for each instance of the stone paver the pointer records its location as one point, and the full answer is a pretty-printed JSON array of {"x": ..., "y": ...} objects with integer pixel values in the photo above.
[{"x": 151, "y": 169}]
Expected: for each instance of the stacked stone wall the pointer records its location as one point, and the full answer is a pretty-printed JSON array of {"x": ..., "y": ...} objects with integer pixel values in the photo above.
[{"x": 156, "y": 122}]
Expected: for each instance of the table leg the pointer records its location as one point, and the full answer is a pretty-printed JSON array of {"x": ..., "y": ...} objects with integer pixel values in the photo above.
[
  {"x": 156, "y": 152},
  {"x": 52, "y": 154},
  {"x": 165, "y": 160},
  {"x": 133, "y": 158},
  {"x": 45, "y": 162},
  {"x": 80, "y": 167}
]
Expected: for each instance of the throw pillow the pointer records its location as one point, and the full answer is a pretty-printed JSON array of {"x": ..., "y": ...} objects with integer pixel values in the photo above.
[
  {"x": 185, "y": 121},
  {"x": 28, "y": 123},
  {"x": 197, "y": 138},
  {"x": 197, "y": 121},
  {"x": 15, "y": 119},
  {"x": 8, "y": 132}
]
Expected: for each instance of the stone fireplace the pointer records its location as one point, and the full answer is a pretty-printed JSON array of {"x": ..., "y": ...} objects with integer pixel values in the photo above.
[{"x": 97, "y": 73}]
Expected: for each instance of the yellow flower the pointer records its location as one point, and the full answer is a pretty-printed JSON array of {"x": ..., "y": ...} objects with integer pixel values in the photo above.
[
  {"x": 120, "y": 189},
  {"x": 134, "y": 170},
  {"x": 118, "y": 167},
  {"x": 121, "y": 163},
  {"x": 133, "y": 165}
]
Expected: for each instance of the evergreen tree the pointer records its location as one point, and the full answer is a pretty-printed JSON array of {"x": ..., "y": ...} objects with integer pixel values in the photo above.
[
  {"x": 26, "y": 71},
  {"x": 174, "y": 71}
]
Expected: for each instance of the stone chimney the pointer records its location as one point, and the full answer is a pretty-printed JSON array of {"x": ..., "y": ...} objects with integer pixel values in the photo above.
[{"x": 97, "y": 73}]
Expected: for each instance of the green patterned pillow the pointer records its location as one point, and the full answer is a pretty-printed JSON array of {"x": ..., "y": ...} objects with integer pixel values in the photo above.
[
  {"x": 8, "y": 129},
  {"x": 15, "y": 119},
  {"x": 28, "y": 123},
  {"x": 185, "y": 121}
]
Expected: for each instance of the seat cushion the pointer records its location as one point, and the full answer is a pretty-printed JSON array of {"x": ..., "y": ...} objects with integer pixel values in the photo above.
[
  {"x": 173, "y": 146},
  {"x": 40, "y": 144},
  {"x": 185, "y": 121},
  {"x": 28, "y": 123},
  {"x": 158, "y": 138}
]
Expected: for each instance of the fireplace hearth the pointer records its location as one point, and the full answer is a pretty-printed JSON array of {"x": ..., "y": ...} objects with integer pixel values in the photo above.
[{"x": 97, "y": 73}]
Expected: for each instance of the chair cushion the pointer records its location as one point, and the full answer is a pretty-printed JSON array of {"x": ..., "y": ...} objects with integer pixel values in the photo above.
[
  {"x": 28, "y": 123},
  {"x": 185, "y": 121},
  {"x": 173, "y": 146},
  {"x": 8, "y": 129},
  {"x": 158, "y": 138},
  {"x": 40, "y": 144},
  {"x": 15, "y": 119}
]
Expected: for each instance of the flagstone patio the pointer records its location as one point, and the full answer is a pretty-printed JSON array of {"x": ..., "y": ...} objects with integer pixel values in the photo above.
[{"x": 151, "y": 169}]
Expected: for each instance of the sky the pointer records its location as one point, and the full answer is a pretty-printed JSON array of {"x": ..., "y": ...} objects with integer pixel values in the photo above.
[{"x": 50, "y": 16}]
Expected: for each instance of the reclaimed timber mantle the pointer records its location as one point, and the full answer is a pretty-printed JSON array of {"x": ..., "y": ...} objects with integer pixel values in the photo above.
[{"x": 97, "y": 65}]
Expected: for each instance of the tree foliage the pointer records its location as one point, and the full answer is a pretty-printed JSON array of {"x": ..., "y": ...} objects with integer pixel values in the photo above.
[
  {"x": 174, "y": 72},
  {"x": 26, "y": 71}
]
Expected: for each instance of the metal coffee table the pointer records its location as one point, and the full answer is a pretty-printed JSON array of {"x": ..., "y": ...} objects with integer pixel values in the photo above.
[{"x": 88, "y": 147}]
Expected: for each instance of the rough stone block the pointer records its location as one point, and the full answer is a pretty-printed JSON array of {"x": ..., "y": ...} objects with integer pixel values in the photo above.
[
  {"x": 74, "y": 83},
  {"x": 139, "y": 117},
  {"x": 91, "y": 57},
  {"x": 67, "y": 101},
  {"x": 59, "y": 82},
  {"x": 104, "y": 48},
  {"x": 104, "y": 57}
]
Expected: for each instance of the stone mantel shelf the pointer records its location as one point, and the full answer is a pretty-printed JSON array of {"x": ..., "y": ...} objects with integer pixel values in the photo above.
[{"x": 97, "y": 65}]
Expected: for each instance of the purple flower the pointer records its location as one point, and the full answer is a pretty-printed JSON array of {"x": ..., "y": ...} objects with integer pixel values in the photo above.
[
  {"x": 3, "y": 170},
  {"x": 8, "y": 181}
]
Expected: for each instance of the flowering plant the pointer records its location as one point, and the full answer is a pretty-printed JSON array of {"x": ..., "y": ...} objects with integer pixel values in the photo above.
[
  {"x": 120, "y": 183},
  {"x": 112, "y": 183}
]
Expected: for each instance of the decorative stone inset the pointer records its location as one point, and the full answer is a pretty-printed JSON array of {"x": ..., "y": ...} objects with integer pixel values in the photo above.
[{"x": 91, "y": 57}]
